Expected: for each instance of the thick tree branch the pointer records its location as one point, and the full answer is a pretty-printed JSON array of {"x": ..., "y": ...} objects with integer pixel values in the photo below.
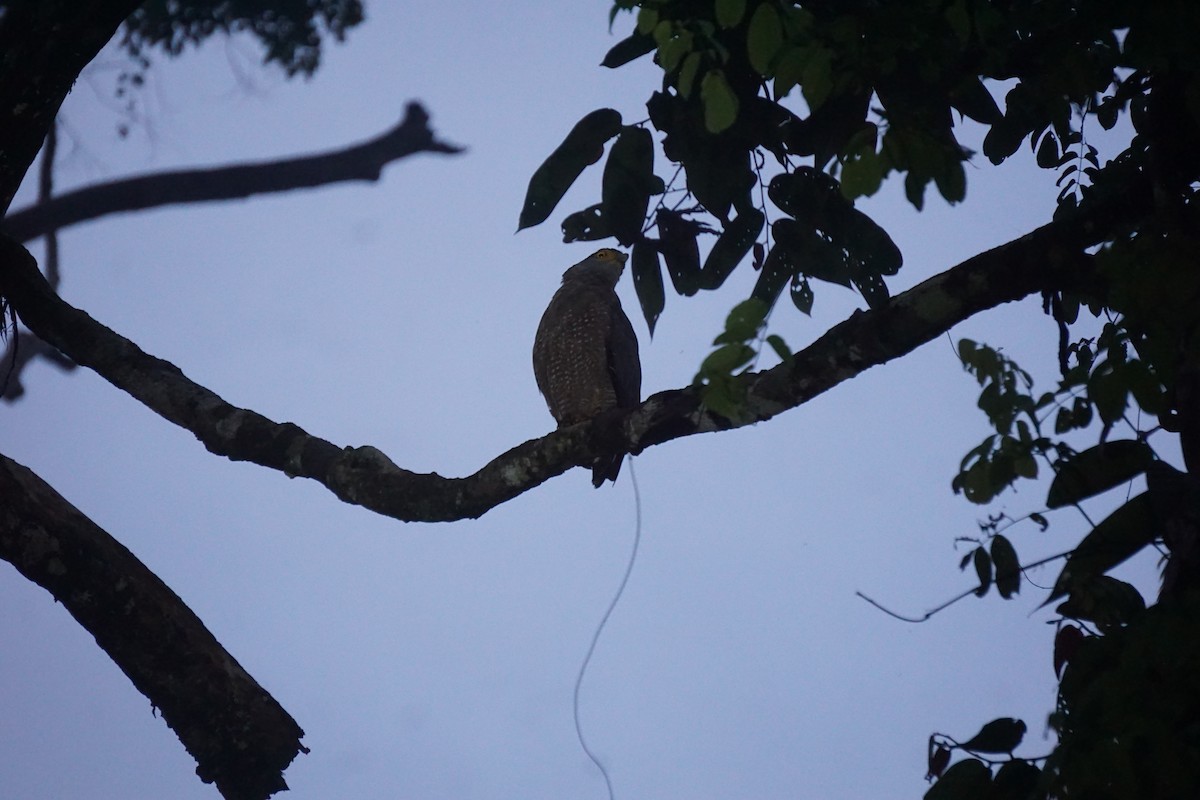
[
  {"x": 360, "y": 162},
  {"x": 241, "y": 738},
  {"x": 52, "y": 41},
  {"x": 1048, "y": 258},
  {"x": 363, "y": 161}
]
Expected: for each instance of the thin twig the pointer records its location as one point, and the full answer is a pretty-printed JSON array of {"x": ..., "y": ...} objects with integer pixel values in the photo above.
[{"x": 956, "y": 598}]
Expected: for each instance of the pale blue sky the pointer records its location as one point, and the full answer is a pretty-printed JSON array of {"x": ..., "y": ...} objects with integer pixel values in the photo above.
[{"x": 437, "y": 661}]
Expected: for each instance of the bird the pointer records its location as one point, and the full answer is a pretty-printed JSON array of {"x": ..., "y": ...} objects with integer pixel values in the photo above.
[{"x": 585, "y": 353}]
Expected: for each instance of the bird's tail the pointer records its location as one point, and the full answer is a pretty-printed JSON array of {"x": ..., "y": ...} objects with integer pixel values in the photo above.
[{"x": 606, "y": 468}]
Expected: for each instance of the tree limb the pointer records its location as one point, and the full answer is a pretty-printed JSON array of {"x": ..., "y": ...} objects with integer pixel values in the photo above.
[
  {"x": 241, "y": 738},
  {"x": 52, "y": 40},
  {"x": 360, "y": 162},
  {"x": 1050, "y": 257},
  {"x": 364, "y": 161}
]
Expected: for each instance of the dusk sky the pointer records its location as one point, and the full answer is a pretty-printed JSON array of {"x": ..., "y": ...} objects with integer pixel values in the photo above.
[{"x": 437, "y": 660}]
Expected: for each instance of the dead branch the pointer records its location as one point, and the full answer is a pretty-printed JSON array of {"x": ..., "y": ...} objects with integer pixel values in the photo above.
[{"x": 361, "y": 162}]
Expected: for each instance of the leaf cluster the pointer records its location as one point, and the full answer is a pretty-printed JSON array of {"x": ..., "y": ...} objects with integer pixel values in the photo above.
[
  {"x": 840, "y": 96},
  {"x": 290, "y": 31},
  {"x": 1127, "y": 708},
  {"x": 1011, "y": 452},
  {"x": 1128, "y": 697},
  {"x": 735, "y": 353},
  {"x": 1125, "y": 718},
  {"x": 1097, "y": 384},
  {"x": 774, "y": 117},
  {"x": 973, "y": 778}
]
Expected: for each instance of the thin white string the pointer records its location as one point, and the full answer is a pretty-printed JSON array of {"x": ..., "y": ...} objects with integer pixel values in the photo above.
[{"x": 637, "y": 538}]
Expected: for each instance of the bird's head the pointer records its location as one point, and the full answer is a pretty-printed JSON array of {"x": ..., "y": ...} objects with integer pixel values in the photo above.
[{"x": 604, "y": 265}]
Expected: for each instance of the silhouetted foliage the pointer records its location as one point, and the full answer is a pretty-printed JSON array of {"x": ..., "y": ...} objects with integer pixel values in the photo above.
[
  {"x": 815, "y": 104},
  {"x": 290, "y": 31}
]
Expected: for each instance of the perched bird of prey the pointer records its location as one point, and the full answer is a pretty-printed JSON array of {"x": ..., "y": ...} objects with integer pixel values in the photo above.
[{"x": 585, "y": 355}]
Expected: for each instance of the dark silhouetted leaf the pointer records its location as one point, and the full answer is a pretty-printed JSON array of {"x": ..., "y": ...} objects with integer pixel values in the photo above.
[
  {"x": 969, "y": 779},
  {"x": 818, "y": 258},
  {"x": 973, "y": 99},
  {"x": 1107, "y": 112},
  {"x": 802, "y": 294},
  {"x": 1118, "y": 536},
  {"x": 850, "y": 248},
  {"x": 1047, "y": 152},
  {"x": 777, "y": 270},
  {"x": 1146, "y": 387},
  {"x": 1003, "y": 140},
  {"x": 677, "y": 243},
  {"x": 583, "y": 146},
  {"x": 828, "y": 129},
  {"x": 939, "y": 759},
  {"x": 628, "y": 183},
  {"x": 719, "y": 172},
  {"x": 647, "y": 282},
  {"x": 998, "y": 736},
  {"x": 1066, "y": 644},
  {"x": 781, "y": 348},
  {"x": 731, "y": 247},
  {"x": 1097, "y": 470},
  {"x": 1017, "y": 780},
  {"x": 1008, "y": 568},
  {"x": 1106, "y": 601},
  {"x": 810, "y": 195},
  {"x": 983, "y": 571},
  {"x": 871, "y": 244},
  {"x": 951, "y": 180},
  {"x": 873, "y": 290},
  {"x": 914, "y": 189},
  {"x": 586, "y": 226},
  {"x": 627, "y": 50},
  {"x": 777, "y": 128},
  {"x": 1109, "y": 392}
]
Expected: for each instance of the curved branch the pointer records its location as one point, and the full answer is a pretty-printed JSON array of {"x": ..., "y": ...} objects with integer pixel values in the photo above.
[
  {"x": 360, "y": 162},
  {"x": 1049, "y": 257},
  {"x": 241, "y": 738}
]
